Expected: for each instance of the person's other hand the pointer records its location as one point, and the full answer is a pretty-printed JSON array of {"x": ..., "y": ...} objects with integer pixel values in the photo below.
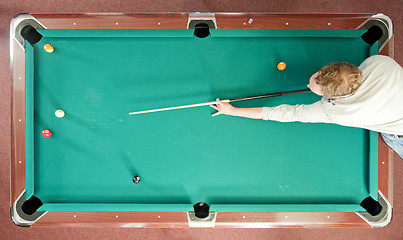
[{"x": 222, "y": 108}]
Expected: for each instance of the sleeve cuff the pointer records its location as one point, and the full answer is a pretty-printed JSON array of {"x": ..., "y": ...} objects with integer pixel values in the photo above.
[{"x": 265, "y": 113}]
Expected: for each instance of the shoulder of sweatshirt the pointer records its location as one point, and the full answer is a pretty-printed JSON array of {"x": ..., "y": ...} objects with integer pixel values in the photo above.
[{"x": 377, "y": 60}]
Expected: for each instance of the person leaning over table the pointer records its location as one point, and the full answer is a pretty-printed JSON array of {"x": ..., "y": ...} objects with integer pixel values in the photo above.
[{"x": 370, "y": 97}]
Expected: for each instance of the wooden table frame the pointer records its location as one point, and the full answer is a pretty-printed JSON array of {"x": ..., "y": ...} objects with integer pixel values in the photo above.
[{"x": 181, "y": 21}]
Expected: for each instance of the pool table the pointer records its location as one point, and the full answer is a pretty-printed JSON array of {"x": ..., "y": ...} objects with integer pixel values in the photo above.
[{"x": 185, "y": 168}]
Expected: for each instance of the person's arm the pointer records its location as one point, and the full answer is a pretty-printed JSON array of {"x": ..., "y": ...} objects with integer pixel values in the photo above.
[
  {"x": 282, "y": 113},
  {"x": 228, "y": 109},
  {"x": 296, "y": 113}
]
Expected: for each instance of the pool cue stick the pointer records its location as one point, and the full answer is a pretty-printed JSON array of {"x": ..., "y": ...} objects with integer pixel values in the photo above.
[{"x": 225, "y": 101}]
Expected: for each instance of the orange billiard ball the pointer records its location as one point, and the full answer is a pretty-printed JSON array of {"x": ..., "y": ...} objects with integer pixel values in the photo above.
[
  {"x": 281, "y": 66},
  {"x": 48, "y": 48}
]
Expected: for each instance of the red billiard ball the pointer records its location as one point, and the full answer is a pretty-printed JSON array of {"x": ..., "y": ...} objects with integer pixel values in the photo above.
[{"x": 46, "y": 133}]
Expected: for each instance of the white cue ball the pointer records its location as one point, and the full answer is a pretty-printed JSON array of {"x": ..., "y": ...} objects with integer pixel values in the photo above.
[{"x": 59, "y": 113}]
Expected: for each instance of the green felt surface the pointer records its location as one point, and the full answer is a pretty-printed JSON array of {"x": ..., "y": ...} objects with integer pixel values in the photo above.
[{"x": 186, "y": 156}]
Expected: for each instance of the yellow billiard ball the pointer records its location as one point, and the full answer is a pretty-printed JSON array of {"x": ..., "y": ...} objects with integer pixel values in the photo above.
[
  {"x": 281, "y": 66},
  {"x": 48, "y": 48}
]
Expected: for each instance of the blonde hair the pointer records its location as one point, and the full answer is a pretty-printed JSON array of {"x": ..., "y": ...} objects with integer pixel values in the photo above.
[{"x": 339, "y": 79}]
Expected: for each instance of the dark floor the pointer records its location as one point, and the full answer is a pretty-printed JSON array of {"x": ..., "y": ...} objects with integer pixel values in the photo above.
[{"x": 9, "y": 8}]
